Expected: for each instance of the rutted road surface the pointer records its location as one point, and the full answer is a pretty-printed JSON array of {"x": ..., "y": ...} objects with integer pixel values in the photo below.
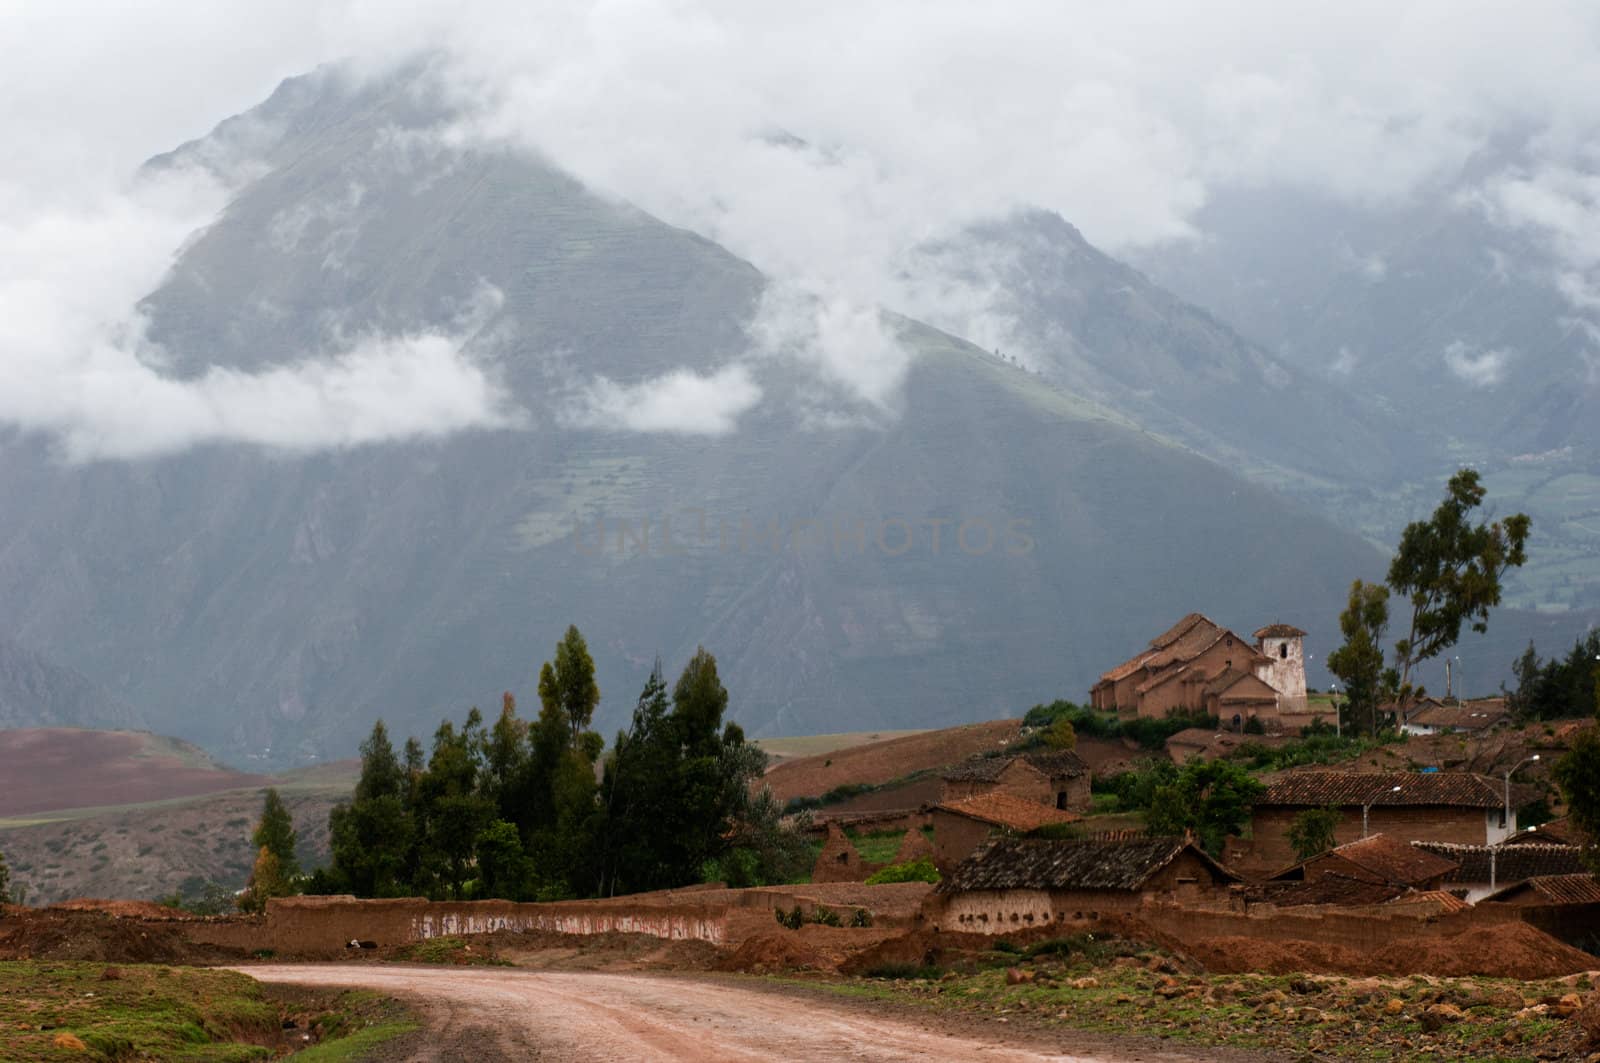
[{"x": 484, "y": 1014}]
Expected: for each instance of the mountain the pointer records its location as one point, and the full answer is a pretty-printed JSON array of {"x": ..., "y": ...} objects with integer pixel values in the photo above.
[
  {"x": 1102, "y": 329},
  {"x": 37, "y": 692},
  {"x": 1451, "y": 315},
  {"x": 269, "y": 606}
]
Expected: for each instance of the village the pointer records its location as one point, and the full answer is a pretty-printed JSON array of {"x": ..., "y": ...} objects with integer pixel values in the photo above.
[{"x": 1397, "y": 872}]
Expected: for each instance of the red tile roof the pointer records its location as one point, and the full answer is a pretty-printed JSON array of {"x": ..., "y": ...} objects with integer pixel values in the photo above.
[
  {"x": 1466, "y": 716},
  {"x": 1008, "y": 811},
  {"x": 1557, "y": 831},
  {"x": 1555, "y": 889},
  {"x": 1347, "y": 789},
  {"x": 1280, "y": 631},
  {"x": 1392, "y": 860}
]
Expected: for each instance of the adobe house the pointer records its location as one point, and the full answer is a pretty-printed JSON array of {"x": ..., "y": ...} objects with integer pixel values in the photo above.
[
  {"x": 1566, "y": 907},
  {"x": 959, "y": 827},
  {"x": 1408, "y": 806},
  {"x": 1485, "y": 869},
  {"x": 1018, "y": 883},
  {"x": 1378, "y": 860},
  {"x": 839, "y": 860},
  {"x": 1556, "y": 832},
  {"x": 1430, "y": 717},
  {"x": 1198, "y": 665},
  {"x": 1060, "y": 779}
]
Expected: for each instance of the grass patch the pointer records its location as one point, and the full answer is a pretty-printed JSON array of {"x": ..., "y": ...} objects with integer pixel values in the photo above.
[
  {"x": 452, "y": 951},
  {"x": 186, "y": 1014}
]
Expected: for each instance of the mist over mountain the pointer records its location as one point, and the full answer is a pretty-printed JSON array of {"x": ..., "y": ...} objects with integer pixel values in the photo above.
[
  {"x": 269, "y": 604},
  {"x": 36, "y": 691}
]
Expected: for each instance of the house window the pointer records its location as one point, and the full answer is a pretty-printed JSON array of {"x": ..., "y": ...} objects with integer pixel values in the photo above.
[
  {"x": 1230, "y": 644},
  {"x": 1283, "y": 651},
  {"x": 1501, "y": 817}
]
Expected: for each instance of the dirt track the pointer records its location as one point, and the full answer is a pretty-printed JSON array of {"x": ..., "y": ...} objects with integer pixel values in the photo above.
[{"x": 486, "y": 1014}]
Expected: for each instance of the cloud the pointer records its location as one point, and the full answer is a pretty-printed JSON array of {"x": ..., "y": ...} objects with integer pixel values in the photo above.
[
  {"x": 825, "y": 142},
  {"x": 681, "y": 402},
  {"x": 1479, "y": 369},
  {"x": 79, "y": 365}
]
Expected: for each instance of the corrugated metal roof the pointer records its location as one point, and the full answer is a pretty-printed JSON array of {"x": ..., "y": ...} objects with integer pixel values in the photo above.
[{"x": 1512, "y": 863}]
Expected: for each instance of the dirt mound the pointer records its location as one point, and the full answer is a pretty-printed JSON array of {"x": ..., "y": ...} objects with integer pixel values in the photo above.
[
  {"x": 1515, "y": 950},
  {"x": 124, "y": 909},
  {"x": 53, "y": 934},
  {"x": 1242, "y": 955},
  {"x": 774, "y": 952}
]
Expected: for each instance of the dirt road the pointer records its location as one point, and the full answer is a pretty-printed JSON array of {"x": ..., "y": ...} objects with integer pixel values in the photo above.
[{"x": 483, "y": 1014}]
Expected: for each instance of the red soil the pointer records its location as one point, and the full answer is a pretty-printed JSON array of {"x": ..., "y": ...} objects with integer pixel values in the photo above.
[
  {"x": 56, "y": 768},
  {"x": 881, "y": 762}
]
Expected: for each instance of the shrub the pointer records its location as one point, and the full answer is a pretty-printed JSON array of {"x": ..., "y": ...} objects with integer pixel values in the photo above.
[
  {"x": 822, "y": 915},
  {"x": 1008, "y": 947},
  {"x": 860, "y": 918},
  {"x": 1072, "y": 945},
  {"x": 912, "y": 871},
  {"x": 1254, "y": 726},
  {"x": 903, "y": 971},
  {"x": 793, "y": 919}
]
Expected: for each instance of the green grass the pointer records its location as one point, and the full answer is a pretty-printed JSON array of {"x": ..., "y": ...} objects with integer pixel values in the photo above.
[
  {"x": 145, "y": 1012},
  {"x": 878, "y": 846},
  {"x": 451, "y": 951},
  {"x": 185, "y": 1014},
  {"x": 816, "y": 745}
]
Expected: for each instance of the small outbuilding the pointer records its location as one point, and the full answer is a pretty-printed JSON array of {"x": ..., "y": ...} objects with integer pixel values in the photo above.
[
  {"x": 1059, "y": 779},
  {"x": 1022, "y": 882},
  {"x": 960, "y": 827},
  {"x": 1378, "y": 860}
]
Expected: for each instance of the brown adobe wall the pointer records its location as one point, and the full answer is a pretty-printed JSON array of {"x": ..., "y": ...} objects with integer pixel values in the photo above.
[{"x": 322, "y": 926}]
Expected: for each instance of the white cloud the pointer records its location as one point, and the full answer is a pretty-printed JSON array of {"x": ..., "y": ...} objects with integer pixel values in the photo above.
[
  {"x": 825, "y": 142},
  {"x": 1479, "y": 369},
  {"x": 681, "y": 402}
]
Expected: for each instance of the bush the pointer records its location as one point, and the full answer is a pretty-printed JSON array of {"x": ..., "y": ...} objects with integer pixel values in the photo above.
[
  {"x": 912, "y": 871},
  {"x": 792, "y": 919},
  {"x": 903, "y": 971},
  {"x": 1254, "y": 726},
  {"x": 1074, "y": 945},
  {"x": 860, "y": 918},
  {"x": 822, "y": 915},
  {"x": 1008, "y": 947}
]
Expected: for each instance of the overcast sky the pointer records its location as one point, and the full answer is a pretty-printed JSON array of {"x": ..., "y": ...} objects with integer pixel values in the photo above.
[{"x": 912, "y": 117}]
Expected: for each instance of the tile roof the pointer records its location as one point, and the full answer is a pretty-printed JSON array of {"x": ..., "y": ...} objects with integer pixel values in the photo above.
[
  {"x": 1026, "y": 863},
  {"x": 980, "y": 769},
  {"x": 1178, "y": 630},
  {"x": 1466, "y": 716},
  {"x": 1008, "y": 811},
  {"x": 1161, "y": 677},
  {"x": 1225, "y": 679},
  {"x": 1126, "y": 668},
  {"x": 1448, "y": 903},
  {"x": 1059, "y": 763},
  {"x": 1557, "y": 831},
  {"x": 1393, "y": 860},
  {"x": 1555, "y": 889},
  {"x": 1280, "y": 631},
  {"x": 1512, "y": 863},
  {"x": 1331, "y": 888},
  {"x": 1345, "y": 789}
]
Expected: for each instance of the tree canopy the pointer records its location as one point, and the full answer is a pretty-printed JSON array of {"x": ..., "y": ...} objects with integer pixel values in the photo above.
[{"x": 1449, "y": 570}]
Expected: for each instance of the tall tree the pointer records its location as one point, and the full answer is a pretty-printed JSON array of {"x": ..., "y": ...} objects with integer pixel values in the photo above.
[
  {"x": 567, "y": 687},
  {"x": 1311, "y": 832},
  {"x": 1449, "y": 569},
  {"x": 456, "y": 811},
  {"x": 275, "y": 833},
  {"x": 371, "y": 836},
  {"x": 1578, "y": 775},
  {"x": 1359, "y": 661}
]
